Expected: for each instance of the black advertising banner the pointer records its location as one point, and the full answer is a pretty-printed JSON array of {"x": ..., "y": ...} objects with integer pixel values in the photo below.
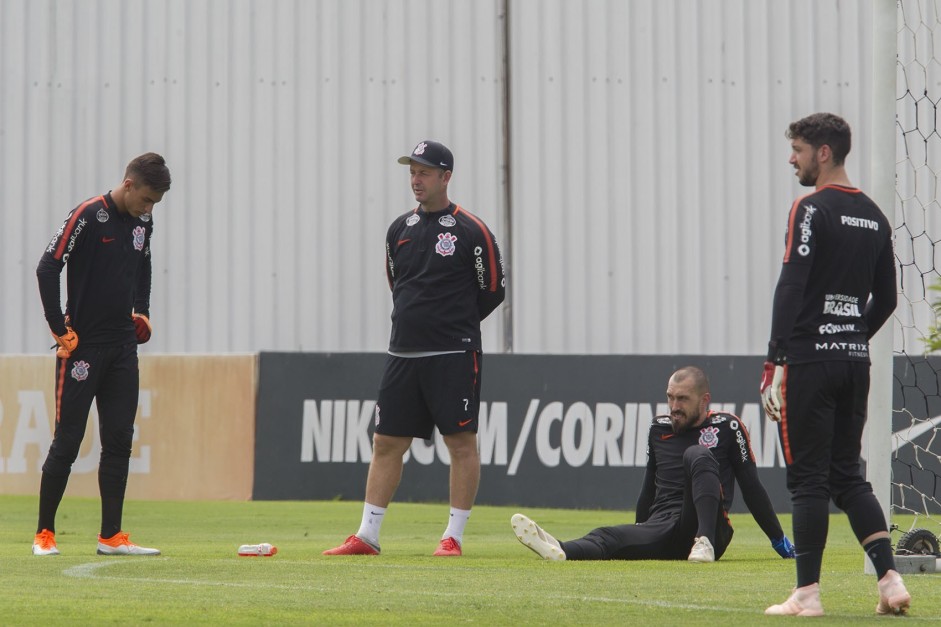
[
  {"x": 555, "y": 430},
  {"x": 561, "y": 431}
]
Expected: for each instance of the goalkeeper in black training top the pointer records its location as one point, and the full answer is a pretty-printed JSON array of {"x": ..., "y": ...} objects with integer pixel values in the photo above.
[
  {"x": 815, "y": 383},
  {"x": 694, "y": 457},
  {"x": 104, "y": 245}
]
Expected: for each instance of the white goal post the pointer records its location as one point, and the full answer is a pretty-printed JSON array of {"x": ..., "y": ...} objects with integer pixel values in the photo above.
[
  {"x": 903, "y": 432},
  {"x": 878, "y": 444}
]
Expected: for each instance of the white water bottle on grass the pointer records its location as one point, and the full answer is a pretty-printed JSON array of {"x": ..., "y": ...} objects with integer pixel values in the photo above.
[{"x": 257, "y": 550}]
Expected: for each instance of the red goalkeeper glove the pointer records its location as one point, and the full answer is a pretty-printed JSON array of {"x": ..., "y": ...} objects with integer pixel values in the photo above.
[
  {"x": 142, "y": 328},
  {"x": 771, "y": 379},
  {"x": 67, "y": 343}
]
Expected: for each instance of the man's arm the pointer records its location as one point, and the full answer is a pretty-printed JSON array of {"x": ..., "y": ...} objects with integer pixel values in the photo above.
[
  {"x": 801, "y": 245},
  {"x": 488, "y": 271},
  {"x": 390, "y": 265},
  {"x": 884, "y": 291},
  {"x": 48, "y": 273},
  {"x": 648, "y": 489},
  {"x": 758, "y": 502},
  {"x": 753, "y": 492},
  {"x": 67, "y": 240},
  {"x": 144, "y": 280}
]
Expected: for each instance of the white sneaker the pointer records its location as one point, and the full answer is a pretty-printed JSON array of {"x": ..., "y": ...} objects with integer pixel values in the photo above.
[
  {"x": 535, "y": 537},
  {"x": 702, "y": 551},
  {"x": 120, "y": 544},
  {"x": 893, "y": 597},
  {"x": 803, "y": 601}
]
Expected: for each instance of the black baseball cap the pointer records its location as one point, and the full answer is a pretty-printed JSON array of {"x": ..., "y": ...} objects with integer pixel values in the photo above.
[{"x": 430, "y": 153}]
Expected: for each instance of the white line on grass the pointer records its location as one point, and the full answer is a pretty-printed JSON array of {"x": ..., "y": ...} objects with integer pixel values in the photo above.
[{"x": 90, "y": 571}]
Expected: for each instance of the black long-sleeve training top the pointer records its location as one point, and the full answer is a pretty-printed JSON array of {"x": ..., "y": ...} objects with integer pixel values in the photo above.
[
  {"x": 727, "y": 439},
  {"x": 446, "y": 274},
  {"x": 108, "y": 276},
  {"x": 838, "y": 254}
]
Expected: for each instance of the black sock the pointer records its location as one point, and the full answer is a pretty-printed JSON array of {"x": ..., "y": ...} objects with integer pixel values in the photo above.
[
  {"x": 707, "y": 510},
  {"x": 811, "y": 523},
  {"x": 808, "y": 567},
  {"x": 880, "y": 552},
  {"x": 51, "y": 489},
  {"x": 112, "y": 508},
  {"x": 112, "y": 484}
]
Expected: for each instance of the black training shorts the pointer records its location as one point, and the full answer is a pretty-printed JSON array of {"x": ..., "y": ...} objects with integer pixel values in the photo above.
[{"x": 419, "y": 393}]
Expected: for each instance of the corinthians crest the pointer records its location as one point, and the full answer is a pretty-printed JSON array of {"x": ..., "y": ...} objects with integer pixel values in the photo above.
[
  {"x": 138, "y": 234},
  {"x": 445, "y": 245},
  {"x": 709, "y": 437},
  {"x": 80, "y": 370}
]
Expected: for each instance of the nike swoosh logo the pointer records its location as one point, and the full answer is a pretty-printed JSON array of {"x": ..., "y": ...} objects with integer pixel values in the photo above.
[
  {"x": 404, "y": 241},
  {"x": 464, "y": 423},
  {"x": 107, "y": 240},
  {"x": 666, "y": 436}
]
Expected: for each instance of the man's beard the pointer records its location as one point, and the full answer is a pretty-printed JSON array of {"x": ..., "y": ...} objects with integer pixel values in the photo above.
[{"x": 808, "y": 178}]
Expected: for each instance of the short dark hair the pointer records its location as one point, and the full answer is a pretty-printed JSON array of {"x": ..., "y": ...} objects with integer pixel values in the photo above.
[
  {"x": 820, "y": 129},
  {"x": 699, "y": 378},
  {"x": 149, "y": 169}
]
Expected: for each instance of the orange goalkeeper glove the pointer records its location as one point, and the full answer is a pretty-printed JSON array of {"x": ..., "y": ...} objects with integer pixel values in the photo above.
[
  {"x": 67, "y": 343},
  {"x": 142, "y": 328}
]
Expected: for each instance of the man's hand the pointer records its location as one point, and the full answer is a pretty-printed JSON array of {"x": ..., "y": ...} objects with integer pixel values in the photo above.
[
  {"x": 67, "y": 343},
  {"x": 771, "y": 379},
  {"x": 142, "y": 328},
  {"x": 784, "y": 548}
]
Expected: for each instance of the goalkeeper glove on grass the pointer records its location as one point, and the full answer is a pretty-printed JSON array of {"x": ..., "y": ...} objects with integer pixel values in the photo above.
[
  {"x": 142, "y": 328},
  {"x": 784, "y": 548},
  {"x": 66, "y": 342},
  {"x": 771, "y": 379}
]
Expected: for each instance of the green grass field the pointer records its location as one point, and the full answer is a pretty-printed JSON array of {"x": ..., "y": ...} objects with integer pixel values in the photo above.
[{"x": 199, "y": 579}]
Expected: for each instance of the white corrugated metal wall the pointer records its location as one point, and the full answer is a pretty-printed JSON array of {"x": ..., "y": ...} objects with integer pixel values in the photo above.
[
  {"x": 281, "y": 123},
  {"x": 648, "y": 176}
]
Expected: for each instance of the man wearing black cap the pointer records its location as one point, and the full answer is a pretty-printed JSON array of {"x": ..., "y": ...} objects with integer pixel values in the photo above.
[{"x": 446, "y": 274}]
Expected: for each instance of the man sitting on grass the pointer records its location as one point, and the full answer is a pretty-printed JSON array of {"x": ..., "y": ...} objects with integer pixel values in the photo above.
[{"x": 694, "y": 457}]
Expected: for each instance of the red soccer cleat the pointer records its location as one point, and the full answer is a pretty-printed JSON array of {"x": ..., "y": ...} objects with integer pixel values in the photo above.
[
  {"x": 353, "y": 545},
  {"x": 449, "y": 547}
]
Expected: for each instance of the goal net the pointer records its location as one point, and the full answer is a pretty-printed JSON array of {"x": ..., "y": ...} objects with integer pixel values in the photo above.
[{"x": 916, "y": 440}]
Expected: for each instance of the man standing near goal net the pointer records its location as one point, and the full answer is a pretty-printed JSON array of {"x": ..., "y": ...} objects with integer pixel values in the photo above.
[{"x": 816, "y": 380}]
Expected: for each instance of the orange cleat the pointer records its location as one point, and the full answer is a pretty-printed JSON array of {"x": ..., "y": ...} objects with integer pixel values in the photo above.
[
  {"x": 448, "y": 547},
  {"x": 354, "y": 545},
  {"x": 45, "y": 543},
  {"x": 120, "y": 544}
]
